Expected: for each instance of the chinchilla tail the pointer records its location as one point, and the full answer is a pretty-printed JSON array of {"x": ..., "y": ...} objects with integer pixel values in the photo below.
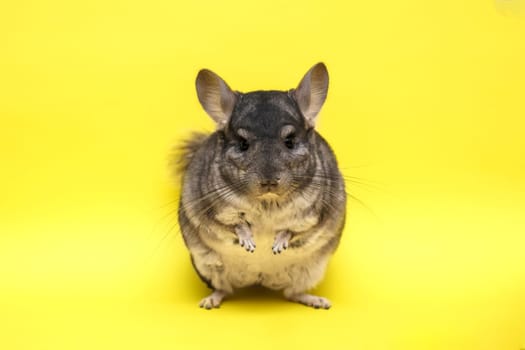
[{"x": 182, "y": 153}]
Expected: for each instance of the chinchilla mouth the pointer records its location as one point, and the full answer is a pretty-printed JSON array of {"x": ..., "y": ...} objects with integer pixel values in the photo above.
[{"x": 269, "y": 196}]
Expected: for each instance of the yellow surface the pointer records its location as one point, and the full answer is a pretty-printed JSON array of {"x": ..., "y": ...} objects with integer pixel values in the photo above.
[{"x": 426, "y": 104}]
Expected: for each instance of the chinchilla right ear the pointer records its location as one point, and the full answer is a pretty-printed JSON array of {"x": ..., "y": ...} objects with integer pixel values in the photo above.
[{"x": 215, "y": 96}]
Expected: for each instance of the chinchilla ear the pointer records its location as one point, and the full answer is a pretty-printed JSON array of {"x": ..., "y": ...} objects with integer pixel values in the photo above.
[
  {"x": 215, "y": 96},
  {"x": 311, "y": 92}
]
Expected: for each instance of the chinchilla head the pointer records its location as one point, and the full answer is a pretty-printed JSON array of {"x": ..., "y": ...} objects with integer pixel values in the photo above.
[{"x": 267, "y": 138}]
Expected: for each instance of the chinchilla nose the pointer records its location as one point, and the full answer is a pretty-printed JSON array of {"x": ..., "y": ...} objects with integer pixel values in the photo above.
[{"x": 269, "y": 185}]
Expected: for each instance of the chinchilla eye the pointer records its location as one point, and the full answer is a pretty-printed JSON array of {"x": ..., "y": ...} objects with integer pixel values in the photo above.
[
  {"x": 243, "y": 145},
  {"x": 289, "y": 141}
]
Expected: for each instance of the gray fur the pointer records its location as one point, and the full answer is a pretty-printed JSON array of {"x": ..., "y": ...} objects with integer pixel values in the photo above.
[
  {"x": 183, "y": 154},
  {"x": 263, "y": 201}
]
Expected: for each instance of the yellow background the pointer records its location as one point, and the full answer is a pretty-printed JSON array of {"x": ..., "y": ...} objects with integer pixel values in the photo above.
[{"x": 426, "y": 105}]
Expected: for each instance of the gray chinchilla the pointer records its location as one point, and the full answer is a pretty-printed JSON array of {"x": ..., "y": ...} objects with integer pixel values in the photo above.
[{"x": 263, "y": 201}]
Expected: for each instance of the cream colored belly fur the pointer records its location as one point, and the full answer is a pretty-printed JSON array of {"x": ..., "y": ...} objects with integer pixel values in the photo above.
[{"x": 293, "y": 270}]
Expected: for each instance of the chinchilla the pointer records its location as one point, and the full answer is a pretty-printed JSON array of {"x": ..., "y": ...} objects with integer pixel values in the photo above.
[{"x": 262, "y": 201}]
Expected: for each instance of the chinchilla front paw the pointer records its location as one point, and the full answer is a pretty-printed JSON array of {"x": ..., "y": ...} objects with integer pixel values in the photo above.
[
  {"x": 282, "y": 239},
  {"x": 245, "y": 237}
]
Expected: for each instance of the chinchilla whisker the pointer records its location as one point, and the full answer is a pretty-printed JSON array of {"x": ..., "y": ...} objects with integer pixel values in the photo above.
[
  {"x": 169, "y": 214},
  {"x": 214, "y": 193},
  {"x": 214, "y": 200},
  {"x": 219, "y": 192},
  {"x": 209, "y": 193},
  {"x": 162, "y": 240},
  {"x": 343, "y": 168},
  {"x": 361, "y": 202},
  {"x": 170, "y": 233},
  {"x": 172, "y": 202},
  {"x": 349, "y": 180},
  {"x": 310, "y": 197},
  {"x": 345, "y": 177},
  {"x": 321, "y": 186}
]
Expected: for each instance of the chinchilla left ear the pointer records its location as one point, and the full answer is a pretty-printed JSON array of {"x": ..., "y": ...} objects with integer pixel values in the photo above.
[{"x": 311, "y": 92}]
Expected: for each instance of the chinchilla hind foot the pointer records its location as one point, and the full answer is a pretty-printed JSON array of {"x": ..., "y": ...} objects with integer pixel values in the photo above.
[
  {"x": 213, "y": 300},
  {"x": 310, "y": 300}
]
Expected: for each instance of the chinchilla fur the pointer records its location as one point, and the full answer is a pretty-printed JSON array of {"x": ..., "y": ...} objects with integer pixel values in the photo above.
[{"x": 263, "y": 201}]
